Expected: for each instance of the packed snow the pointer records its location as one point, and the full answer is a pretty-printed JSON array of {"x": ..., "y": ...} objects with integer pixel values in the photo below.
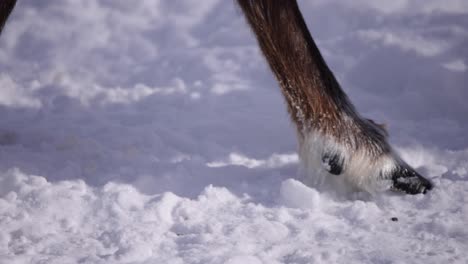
[{"x": 153, "y": 132}]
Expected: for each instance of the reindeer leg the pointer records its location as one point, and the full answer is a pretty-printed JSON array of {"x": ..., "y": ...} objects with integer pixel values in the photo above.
[
  {"x": 333, "y": 138},
  {"x": 6, "y": 6}
]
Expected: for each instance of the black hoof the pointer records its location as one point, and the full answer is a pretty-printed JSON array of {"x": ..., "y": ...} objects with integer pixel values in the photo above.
[
  {"x": 406, "y": 179},
  {"x": 333, "y": 163}
]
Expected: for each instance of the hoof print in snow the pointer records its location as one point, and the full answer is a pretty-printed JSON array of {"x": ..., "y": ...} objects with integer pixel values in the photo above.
[
  {"x": 333, "y": 163},
  {"x": 409, "y": 181}
]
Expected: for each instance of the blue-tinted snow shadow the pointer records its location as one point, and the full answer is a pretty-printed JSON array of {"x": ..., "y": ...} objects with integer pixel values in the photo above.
[{"x": 159, "y": 144}]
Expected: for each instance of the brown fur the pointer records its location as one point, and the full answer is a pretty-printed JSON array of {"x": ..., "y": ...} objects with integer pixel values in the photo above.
[
  {"x": 314, "y": 97},
  {"x": 309, "y": 87}
]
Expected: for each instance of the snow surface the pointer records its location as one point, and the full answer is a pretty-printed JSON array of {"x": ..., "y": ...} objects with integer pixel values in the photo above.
[{"x": 153, "y": 132}]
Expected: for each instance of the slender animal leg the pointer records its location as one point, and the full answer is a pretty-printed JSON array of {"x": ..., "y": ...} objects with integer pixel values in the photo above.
[
  {"x": 6, "y": 6},
  {"x": 334, "y": 140}
]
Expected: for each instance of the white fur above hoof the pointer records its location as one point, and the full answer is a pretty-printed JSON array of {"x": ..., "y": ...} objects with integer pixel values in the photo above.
[{"x": 327, "y": 164}]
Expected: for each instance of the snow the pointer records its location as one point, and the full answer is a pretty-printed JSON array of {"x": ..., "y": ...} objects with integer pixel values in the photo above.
[
  {"x": 154, "y": 133},
  {"x": 456, "y": 66},
  {"x": 69, "y": 221}
]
